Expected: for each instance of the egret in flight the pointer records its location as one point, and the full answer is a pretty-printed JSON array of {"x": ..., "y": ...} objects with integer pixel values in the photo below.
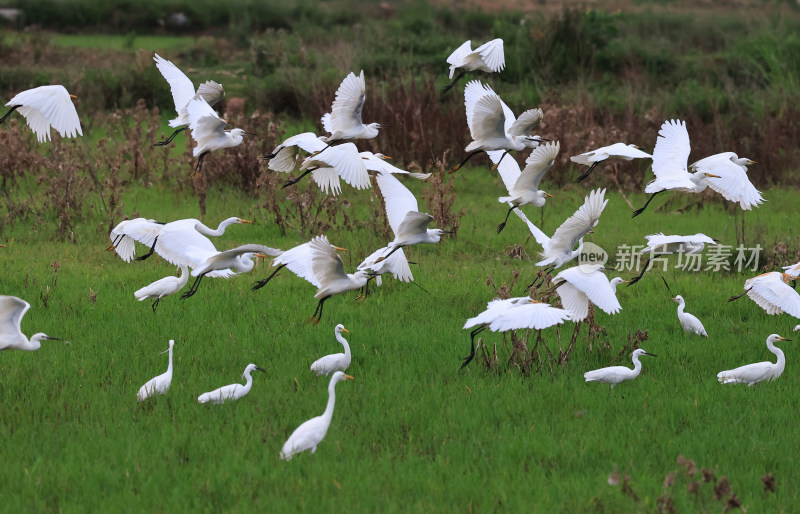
[
  {"x": 689, "y": 322},
  {"x": 159, "y": 384},
  {"x": 239, "y": 259},
  {"x": 617, "y": 374},
  {"x": 12, "y": 310},
  {"x": 752, "y": 374},
  {"x": 44, "y": 107},
  {"x": 208, "y": 130},
  {"x": 344, "y": 120},
  {"x": 578, "y": 286},
  {"x": 731, "y": 178},
  {"x": 232, "y": 391},
  {"x": 139, "y": 228},
  {"x": 594, "y": 157},
  {"x": 659, "y": 244},
  {"x": 308, "y": 435},
  {"x": 336, "y": 361},
  {"x": 772, "y": 292},
  {"x": 328, "y": 270},
  {"x": 488, "y": 57}
]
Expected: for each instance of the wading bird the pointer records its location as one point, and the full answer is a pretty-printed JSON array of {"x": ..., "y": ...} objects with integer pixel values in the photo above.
[
  {"x": 12, "y": 310},
  {"x": 616, "y": 374},
  {"x": 127, "y": 232},
  {"x": 523, "y": 186},
  {"x": 772, "y": 292},
  {"x": 752, "y": 374},
  {"x": 232, "y": 391},
  {"x": 327, "y": 166},
  {"x": 308, "y": 435},
  {"x": 208, "y": 130},
  {"x": 336, "y": 361},
  {"x": 328, "y": 269},
  {"x": 493, "y": 125},
  {"x": 159, "y": 384},
  {"x": 182, "y": 92},
  {"x": 44, "y": 107},
  {"x": 731, "y": 182},
  {"x": 488, "y": 57},
  {"x": 578, "y": 286},
  {"x": 513, "y": 314},
  {"x": 239, "y": 259},
  {"x": 379, "y": 163},
  {"x": 298, "y": 260},
  {"x": 344, "y": 120},
  {"x": 594, "y": 157},
  {"x": 163, "y": 287},
  {"x": 659, "y": 244},
  {"x": 396, "y": 264},
  {"x": 689, "y": 322}
]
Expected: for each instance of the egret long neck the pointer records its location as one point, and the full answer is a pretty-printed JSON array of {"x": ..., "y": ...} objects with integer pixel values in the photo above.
[
  {"x": 681, "y": 305},
  {"x": 637, "y": 366},
  {"x": 344, "y": 343},
  {"x": 169, "y": 366},
  {"x": 248, "y": 381},
  {"x": 778, "y": 353},
  {"x": 328, "y": 414},
  {"x": 184, "y": 276},
  {"x": 200, "y": 227}
]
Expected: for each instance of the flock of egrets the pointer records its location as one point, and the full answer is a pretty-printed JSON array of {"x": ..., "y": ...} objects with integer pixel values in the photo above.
[{"x": 333, "y": 158}]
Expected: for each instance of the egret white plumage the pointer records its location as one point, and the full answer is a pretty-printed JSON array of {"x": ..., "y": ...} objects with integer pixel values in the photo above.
[
  {"x": 592, "y": 158},
  {"x": 617, "y": 374},
  {"x": 159, "y": 384},
  {"x": 286, "y": 156},
  {"x": 125, "y": 245},
  {"x": 232, "y": 391},
  {"x": 396, "y": 264},
  {"x": 772, "y": 292},
  {"x": 328, "y": 269},
  {"x": 493, "y": 125},
  {"x": 12, "y": 310},
  {"x": 182, "y": 92},
  {"x": 578, "y": 286},
  {"x": 513, "y": 314},
  {"x": 327, "y": 166},
  {"x": 344, "y": 120},
  {"x": 239, "y": 259},
  {"x": 44, "y": 107},
  {"x": 308, "y": 435},
  {"x": 488, "y": 57},
  {"x": 730, "y": 178},
  {"x": 659, "y": 244},
  {"x": 379, "y": 162},
  {"x": 336, "y": 361},
  {"x": 689, "y": 322},
  {"x": 208, "y": 130},
  {"x": 163, "y": 287},
  {"x": 298, "y": 260},
  {"x": 752, "y": 374},
  {"x": 523, "y": 186}
]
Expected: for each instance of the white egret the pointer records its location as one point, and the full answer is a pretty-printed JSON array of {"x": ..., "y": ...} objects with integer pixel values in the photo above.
[
  {"x": 308, "y": 435},
  {"x": 594, "y": 157},
  {"x": 577, "y": 286},
  {"x": 378, "y": 162},
  {"x": 12, "y": 310},
  {"x": 513, "y": 314},
  {"x": 163, "y": 287},
  {"x": 159, "y": 384},
  {"x": 488, "y": 57},
  {"x": 344, "y": 120},
  {"x": 125, "y": 245},
  {"x": 731, "y": 178},
  {"x": 336, "y": 361},
  {"x": 44, "y": 107},
  {"x": 396, "y": 264},
  {"x": 559, "y": 249},
  {"x": 772, "y": 292},
  {"x": 298, "y": 260},
  {"x": 616, "y": 374},
  {"x": 328, "y": 269},
  {"x": 523, "y": 186},
  {"x": 327, "y": 166},
  {"x": 208, "y": 130},
  {"x": 286, "y": 156},
  {"x": 796, "y": 328},
  {"x": 493, "y": 125},
  {"x": 752, "y": 374},
  {"x": 410, "y": 226},
  {"x": 182, "y": 92},
  {"x": 239, "y": 259},
  {"x": 232, "y": 391},
  {"x": 659, "y": 244},
  {"x": 689, "y": 322},
  {"x": 793, "y": 270}
]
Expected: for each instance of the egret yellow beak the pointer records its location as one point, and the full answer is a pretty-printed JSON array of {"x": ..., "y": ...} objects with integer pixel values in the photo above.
[
  {"x": 73, "y": 96},
  {"x": 386, "y": 158},
  {"x": 753, "y": 162},
  {"x": 340, "y": 249},
  {"x": 348, "y": 377},
  {"x": 783, "y": 339},
  {"x": 245, "y": 221},
  {"x": 674, "y": 299},
  {"x": 345, "y": 330},
  {"x": 262, "y": 255},
  {"x": 548, "y": 195},
  {"x": 712, "y": 175},
  {"x": 625, "y": 281}
]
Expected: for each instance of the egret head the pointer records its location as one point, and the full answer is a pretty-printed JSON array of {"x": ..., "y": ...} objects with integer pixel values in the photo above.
[
  {"x": 639, "y": 351},
  {"x": 171, "y": 344},
  {"x": 678, "y": 299},
  {"x": 372, "y": 130},
  {"x": 775, "y": 337},
  {"x": 340, "y": 328},
  {"x": 339, "y": 376},
  {"x": 617, "y": 281},
  {"x": 250, "y": 368},
  {"x": 240, "y": 220},
  {"x": 436, "y": 234},
  {"x": 36, "y": 340}
]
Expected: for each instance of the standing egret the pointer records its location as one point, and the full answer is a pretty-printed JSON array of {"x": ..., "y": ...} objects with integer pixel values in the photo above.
[
  {"x": 689, "y": 322},
  {"x": 488, "y": 57},
  {"x": 594, "y": 157},
  {"x": 523, "y": 186},
  {"x": 577, "y": 287},
  {"x": 208, "y": 130},
  {"x": 410, "y": 226},
  {"x": 616, "y": 374},
  {"x": 44, "y": 107},
  {"x": 752, "y": 374},
  {"x": 159, "y": 384},
  {"x": 232, "y": 391},
  {"x": 328, "y": 269},
  {"x": 12, "y": 310},
  {"x": 308, "y": 435},
  {"x": 344, "y": 120},
  {"x": 772, "y": 292},
  {"x": 239, "y": 259},
  {"x": 731, "y": 180},
  {"x": 163, "y": 287},
  {"x": 336, "y": 361},
  {"x": 493, "y": 125},
  {"x": 513, "y": 314},
  {"x": 182, "y": 92}
]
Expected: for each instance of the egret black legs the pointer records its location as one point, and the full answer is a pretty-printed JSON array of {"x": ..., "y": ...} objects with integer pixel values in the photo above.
[
  {"x": 148, "y": 254},
  {"x": 639, "y": 211},
  {"x": 194, "y": 287},
  {"x": 295, "y": 181},
  {"x": 262, "y": 283},
  {"x": 452, "y": 84},
  {"x": 501, "y": 226},
  {"x": 471, "y": 355},
  {"x": 318, "y": 311},
  {"x": 6, "y": 115},
  {"x": 468, "y": 157},
  {"x": 167, "y": 141},
  {"x": 588, "y": 172}
]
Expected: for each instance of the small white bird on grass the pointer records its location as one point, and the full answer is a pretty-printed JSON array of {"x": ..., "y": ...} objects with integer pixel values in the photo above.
[
  {"x": 239, "y": 259},
  {"x": 44, "y": 107},
  {"x": 772, "y": 292},
  {"x": 159, "y": 384},
  {"x": 577, "y": 287},
  {"x": 182, "y": 92},
  {"x": 617, "y": 374},
  {"x": 344, "y": 120},
  {"x": 163, "y": 287},
  {"x": 308, "y": 435},
  {"x": 12, "y": 310},
  {"x": 752, "y": 374},
  {"x": 208, "y": 130},
  {"x": 336, "y": 361},
  {"x": 689, "y": 322},
  {"x": 594, "y": 157},
  {"x": 488, "y": 57},
  {"x": 232, "y": 391}
]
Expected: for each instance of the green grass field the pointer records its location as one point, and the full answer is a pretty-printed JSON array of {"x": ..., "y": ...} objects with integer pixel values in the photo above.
[{"x": 411, "y": 432}]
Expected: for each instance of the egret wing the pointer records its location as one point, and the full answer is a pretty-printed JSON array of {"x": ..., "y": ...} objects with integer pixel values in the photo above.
[
  {"x": 747, "y": 374},
  {"x": 413, "y": 224},
  {"x": 456, "y": 59},
  {"x": 349, "y": 102},
  {"x": 540, "y": 236},
  {"x": 327, "y": 179},
  {"x": 670, "y": 158},
  {"x": 529, "y": 315},
  {"x": 47, "y": 106},
  {"x": 580, "y": 223},
  {"x": 180, "y": 86},
  {"x": 398, "y": 199},
  {"x": 492, "y": 54},
  {"x": 347, "y": 162},
  {"x": 211, "y": 91},
  {"x": 126, "y": 232},
  {"x": 12, "y": 309},
  {"x": 286, "y": 153},
  {"x": 777, "y": 293},
  {"x": 537, "y": 164},
  {"x": 488, "y": 119},
  {"x": 325, "y": 262},
  {"x": 660, "y": 239},
  {"x": 526, "y": 122},
  {"x": 473, "y": 92},
  {"x": 732, "y": 183},
  {"x": 508, "y": 168},
  {"x": 595, "y": 285},
  {"x": 298, "y": 260}
]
